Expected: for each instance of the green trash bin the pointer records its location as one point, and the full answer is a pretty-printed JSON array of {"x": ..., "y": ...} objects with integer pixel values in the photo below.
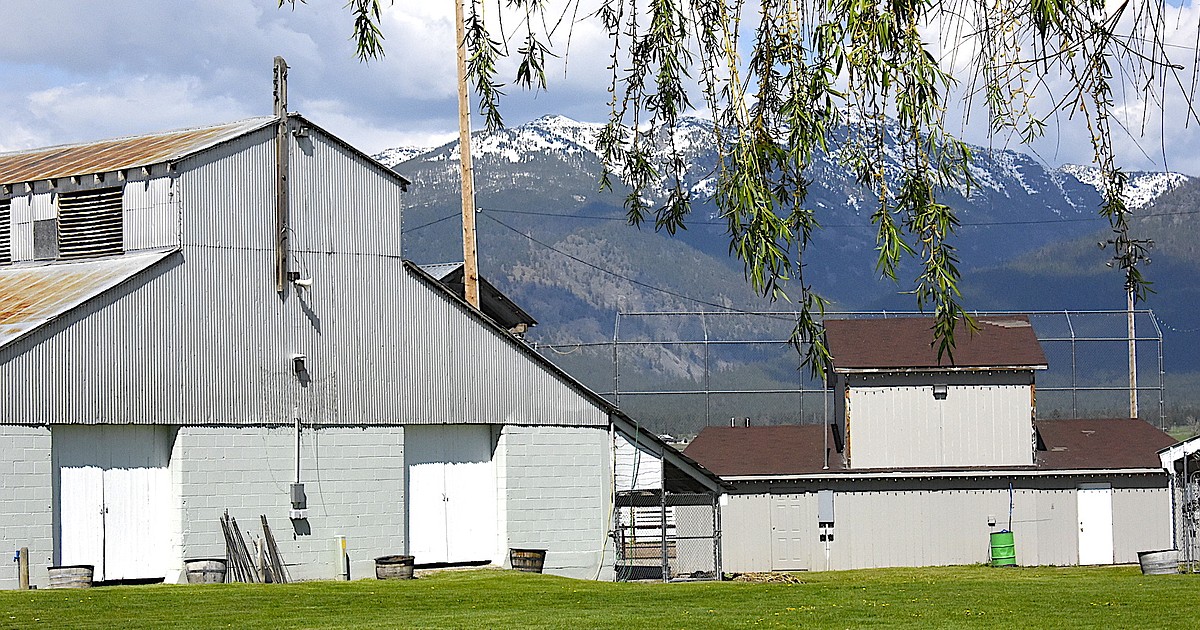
[{"x": 1004, "y": 551}]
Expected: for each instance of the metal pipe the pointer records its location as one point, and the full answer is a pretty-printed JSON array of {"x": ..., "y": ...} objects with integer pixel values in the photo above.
[
  {"x": 1162, "y": 375},
  {"x": 707, "y": 389},
  {"x": 616, "y": 364},
  {"x": 296, "y": 415},
  {"x": 1074, "y": 371}
]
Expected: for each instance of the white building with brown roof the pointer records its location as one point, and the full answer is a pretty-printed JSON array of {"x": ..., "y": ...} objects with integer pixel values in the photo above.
[{"x": 927, "y": 458}]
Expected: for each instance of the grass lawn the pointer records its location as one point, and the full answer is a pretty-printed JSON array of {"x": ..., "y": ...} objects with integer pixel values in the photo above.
[{"x": 944, "y": 597}]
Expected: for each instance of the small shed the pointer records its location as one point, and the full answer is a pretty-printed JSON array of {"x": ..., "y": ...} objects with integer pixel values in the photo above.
[{"x": 898, "y": 404}]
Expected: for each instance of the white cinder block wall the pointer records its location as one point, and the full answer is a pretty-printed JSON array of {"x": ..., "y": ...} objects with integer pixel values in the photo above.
[
  {"x": 353, "y": 479},
  {"x": 26, "y": 503},
  {"x": 557, "y": 489}
]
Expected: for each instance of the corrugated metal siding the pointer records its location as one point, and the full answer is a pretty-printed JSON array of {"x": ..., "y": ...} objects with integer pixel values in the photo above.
[
  {"x": 151, "y": 214},
  {"x": 32, "y": 295},
  {"x": 451, "y": 366},
  {"x": 381, "y": 347},
  {"x": 328, "y": 185},
  {"x": 227, "y": 195}
]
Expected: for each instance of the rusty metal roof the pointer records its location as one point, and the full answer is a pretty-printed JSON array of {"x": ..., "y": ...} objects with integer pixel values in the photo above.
[
  {"x": 31, "y": 297},
  {"x": 104, "y": 156}
]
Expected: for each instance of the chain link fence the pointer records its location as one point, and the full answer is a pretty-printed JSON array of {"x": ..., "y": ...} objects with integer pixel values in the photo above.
[
  {"x": 678, "y": 372},
  {"x": 667, "y": 536}
]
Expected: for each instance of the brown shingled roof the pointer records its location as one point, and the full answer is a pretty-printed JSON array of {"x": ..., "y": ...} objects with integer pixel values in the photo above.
[
  {"x": 769, "y": 451},
  {"x": 1105, "y": 443},
  {"x": 908, "y": 342}
]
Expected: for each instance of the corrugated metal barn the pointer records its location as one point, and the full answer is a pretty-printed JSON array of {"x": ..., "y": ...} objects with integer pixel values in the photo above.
[
  {"x": 926, "y": 459},
  {"x": 193, "y": 321}
]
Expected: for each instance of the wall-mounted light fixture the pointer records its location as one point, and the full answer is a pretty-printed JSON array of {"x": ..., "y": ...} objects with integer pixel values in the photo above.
[
  {"x": 940, "y": 390},
  {"x": 298, "y": 363},
  {"x": 301, "y": 283}
]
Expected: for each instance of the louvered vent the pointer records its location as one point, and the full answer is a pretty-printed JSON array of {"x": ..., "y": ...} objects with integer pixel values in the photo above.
[
  {"x": 5, "y": 231},
  {"x": 89, "y": 223}
]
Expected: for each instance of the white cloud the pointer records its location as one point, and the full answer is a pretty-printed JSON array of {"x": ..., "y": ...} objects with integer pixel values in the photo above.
[
  {"x": 1147, "y": 123},
  {"x": 77, "y": 71}
]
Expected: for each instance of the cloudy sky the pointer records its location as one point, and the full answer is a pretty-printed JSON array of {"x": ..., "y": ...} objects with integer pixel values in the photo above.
[{"x": 76, "y": 71}]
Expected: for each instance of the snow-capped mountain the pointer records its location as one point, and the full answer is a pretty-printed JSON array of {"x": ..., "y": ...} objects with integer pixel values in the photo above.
[
  {"x": 1142, "y": 188},
  {"x": 1000, "y": 173},
  {"x": 559, "y": 246},
  {"x": 1013, "y": 205},
  {"x": 394, "y": 156}
]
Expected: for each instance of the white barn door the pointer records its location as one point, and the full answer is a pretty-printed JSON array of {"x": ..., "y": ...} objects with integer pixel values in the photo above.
[
  {"x": 1095, "y": 523},
  {"x": 451, "y": 493},
  {"x": 114, "y": 499}
]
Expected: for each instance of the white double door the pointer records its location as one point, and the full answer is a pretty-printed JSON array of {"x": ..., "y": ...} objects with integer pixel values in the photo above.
[
  {"x": 113, "y": 499},
  {"x": 451, "y": 493}
]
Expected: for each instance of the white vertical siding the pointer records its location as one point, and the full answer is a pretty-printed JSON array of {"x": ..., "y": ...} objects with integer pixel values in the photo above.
[
  {"x": 745, "y": 532},
  {"x": 895, "y": 425},
  {"x": 636, "y": 467},
  {"x": 22, "y": 227},
  {"x": 1138, "y": 522},
  {"x": 25, "y": 209},
  {"x": 931, "y": 522}
]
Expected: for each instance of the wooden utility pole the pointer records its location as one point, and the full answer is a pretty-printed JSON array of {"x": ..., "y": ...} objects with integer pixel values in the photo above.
[
  {"x": 470, "y": 255},
  {"x": 281, "y": 173}
]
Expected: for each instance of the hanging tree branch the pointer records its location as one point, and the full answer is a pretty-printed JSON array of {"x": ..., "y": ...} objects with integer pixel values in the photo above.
[{"x": 814, "y": 64}]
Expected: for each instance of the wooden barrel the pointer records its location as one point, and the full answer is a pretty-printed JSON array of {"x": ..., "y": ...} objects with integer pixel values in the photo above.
[
  {"x": 394, "y": 567},
  {"x": 205, "y": 570},
  {"x": 73, "y": 576},
  {"x": 528, "y": 560}
]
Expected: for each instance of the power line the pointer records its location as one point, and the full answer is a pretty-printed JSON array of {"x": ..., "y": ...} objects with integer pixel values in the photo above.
[
  {"x": 436, "y": 221},
  {"x": 1093, "y": 219},
  {"x": 625, "y": 278}
]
